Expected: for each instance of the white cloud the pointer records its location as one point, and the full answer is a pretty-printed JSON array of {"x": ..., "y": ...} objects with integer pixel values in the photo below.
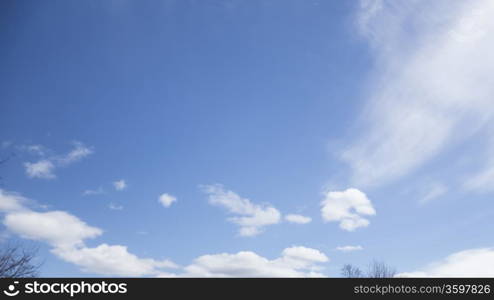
[
  {"x": 467, "y": 263},
  {"x": 66, "y": 234},
  {"x": 347, "y": 207},
  {"x": 6, "y": 144},
  {"x": 114, "y": 206},
  {"x": 57, "y": 228},
  {"x": 253, "y": 217},
  {"x": 482, "y": 181},
  {"x": 34, "y": 149},
  {"x": 41, "y": 169},
  {"x": 298, "y": 219},
  {"x": 435, "y": 191},
  {"x": 120, "y": 185},
  {"x": 349, "y": 248},
  {"x": 45, "y": 168},
  {"x": 79, "y": 152},
  {"x": 166, "y": 200},
  {"x": 98, "y": 191},
  {"x": 112, "y": 260},
  {"x": 11, "y": 201},
  {"x": 294, "y": 262},
  {"x": 432, "y": 86}
]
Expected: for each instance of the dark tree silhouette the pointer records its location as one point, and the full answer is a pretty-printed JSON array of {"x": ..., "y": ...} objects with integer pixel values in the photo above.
[
  {"x": 378, "y": 269},
  {"x": 350, "y": 271},
  {"x": 17, "y": 261}
]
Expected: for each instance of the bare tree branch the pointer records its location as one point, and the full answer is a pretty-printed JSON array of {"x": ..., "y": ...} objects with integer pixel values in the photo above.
[{"x": 17, "y": 261}]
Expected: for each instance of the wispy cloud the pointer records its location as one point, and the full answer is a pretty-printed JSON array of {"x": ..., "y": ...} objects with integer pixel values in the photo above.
[
  {"x": 468, "y": 263},
  {"x": 434, "y": 191},
  {"x": 349, "y": 248},
  {"x": 45, "y": 168},
  {"x": 42, "y": 169},
  {"x": 114, "y": 206},
  {"x": 298, "y": 219},
  {"x": 252, "y": 217},
  {"x": 98, "y": 191},
  {"x": 432, "y": 86},
  {"x": 66, "y": 234}
]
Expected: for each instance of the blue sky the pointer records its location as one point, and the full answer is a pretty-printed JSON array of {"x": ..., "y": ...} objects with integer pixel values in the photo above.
[{"x": 248, "y": 138}]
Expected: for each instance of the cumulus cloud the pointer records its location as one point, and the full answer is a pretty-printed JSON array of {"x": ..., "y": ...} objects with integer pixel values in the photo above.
[
  {"x": 114, "y": 206},
  {"x": 166, "y": 200},
  {"x": 10, "y": 201},
  {"x": 41, "y": 169},
  {"x": 112, "y": 260},
  {"x": 120, "y": 185},
  {"x": 468, "y": 263},
  {"x": 294, "y": 262},
  {"x": 349, "y": 248},
  {"x": 66, "y": 234},
  {"x": 298, "y": 219},
  {"x": 347, "y": 207},
  {"x": 57, "y": 228},
  {"x": 432, "y": 86},
  {"x": 45, "y": 167},
  {"x": 252, "y": 217}
]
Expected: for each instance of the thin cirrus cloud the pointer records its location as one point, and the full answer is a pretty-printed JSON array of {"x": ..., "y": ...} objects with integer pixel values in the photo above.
[
  {"x": 45, "y": 167},
  {"x": 66, "y": 234},
  {"x": 430, "y": 90},
  {"x": 252, "y": 218},
  {"x": 467, "y": 263},
  {"x": 166, "y": 200},
  {"x": 349, "y": 248},
  {"x": 298, "y": 219},
  {"x": 349, "y": 208}
]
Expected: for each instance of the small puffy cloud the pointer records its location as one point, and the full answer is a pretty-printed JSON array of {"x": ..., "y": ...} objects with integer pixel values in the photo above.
[
  {"x": 41, "y": 169},
  {"x": 166, "y": 199},
  {"x": 347, "y": 207},
  {"x": 112, "y": 260},
  {"x": 294, "y": 262},
  {"x": 468, "y": 263},
  {"x": 251, "y": 217},
  {"x": 298, "y": 219},
  {"x": 57, "y": 228},
  {"x": 120, "y": 185},
  {"x": 349, "y": 248}
]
